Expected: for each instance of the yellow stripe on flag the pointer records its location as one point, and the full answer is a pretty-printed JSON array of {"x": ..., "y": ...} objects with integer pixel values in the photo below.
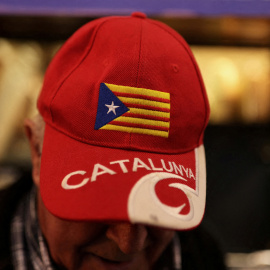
[
  {"x": 140, "y": 121},
  {"x": 137, "y": 130},
  {"x": 144, "y": 102},
  {"x": 148, "y": 112}
]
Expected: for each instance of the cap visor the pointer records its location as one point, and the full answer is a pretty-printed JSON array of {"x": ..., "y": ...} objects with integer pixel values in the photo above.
[{"x": 83, "y": 182}]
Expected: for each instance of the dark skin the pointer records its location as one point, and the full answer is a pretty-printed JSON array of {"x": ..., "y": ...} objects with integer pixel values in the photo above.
[{"x": 95, "y": 245}]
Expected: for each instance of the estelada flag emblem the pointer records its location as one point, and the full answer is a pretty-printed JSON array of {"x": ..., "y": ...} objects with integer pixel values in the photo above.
[{"x": 133, "y": 110}]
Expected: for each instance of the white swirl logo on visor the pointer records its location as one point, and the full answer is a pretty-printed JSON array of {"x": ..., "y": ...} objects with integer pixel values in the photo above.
[{"x": 161, "y": 198}]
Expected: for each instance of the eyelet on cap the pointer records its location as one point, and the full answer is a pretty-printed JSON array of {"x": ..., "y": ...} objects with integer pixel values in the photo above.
[{"x": 138, "y": 14}]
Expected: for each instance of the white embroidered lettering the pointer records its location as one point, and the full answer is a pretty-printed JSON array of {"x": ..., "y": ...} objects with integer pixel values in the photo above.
[
  {"x": 122, "y": 165},
  {"x": 164, "y": 166},
  {"x": 152, "y": 165},
  {"x": 102, "y": 169},
  {"x": 177, "y": 169},
  {"x": 185, "y": 170},
  {"x": 65, "y": 184},
  {"x": 191, "y": 175},
  {"x": 139, "y": 164}
]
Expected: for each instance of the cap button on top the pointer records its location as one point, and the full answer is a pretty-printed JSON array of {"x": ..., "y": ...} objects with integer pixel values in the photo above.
[{"x": 138, "y": 14}]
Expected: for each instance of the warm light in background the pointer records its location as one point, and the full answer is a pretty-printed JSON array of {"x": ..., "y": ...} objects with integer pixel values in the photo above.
[{"x": 238, "y": 83}]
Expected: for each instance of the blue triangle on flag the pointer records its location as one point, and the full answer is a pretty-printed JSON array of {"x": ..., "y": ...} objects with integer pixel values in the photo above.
[{"x": 104, "y": 114}]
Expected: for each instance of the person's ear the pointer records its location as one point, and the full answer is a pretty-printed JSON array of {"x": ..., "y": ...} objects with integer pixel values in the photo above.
[{"x": 29, "y": 126}]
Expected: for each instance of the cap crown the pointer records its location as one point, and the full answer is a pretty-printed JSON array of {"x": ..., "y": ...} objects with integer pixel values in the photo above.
[{"x": 137, "y": 53}]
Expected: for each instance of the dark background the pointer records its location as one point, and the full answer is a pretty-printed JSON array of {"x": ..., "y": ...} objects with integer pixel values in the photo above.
[{"x": 238, "y": 191}]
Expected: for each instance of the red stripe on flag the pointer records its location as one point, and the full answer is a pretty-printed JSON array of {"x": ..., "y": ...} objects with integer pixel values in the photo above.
[{"x": 142, "y": 97}]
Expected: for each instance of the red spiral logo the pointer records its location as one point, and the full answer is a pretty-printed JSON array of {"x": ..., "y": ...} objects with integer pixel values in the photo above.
[{"x": 172, "y": 196}]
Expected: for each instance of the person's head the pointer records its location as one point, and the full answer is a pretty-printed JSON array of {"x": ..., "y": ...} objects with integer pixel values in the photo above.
[
  {"x": 117, "y": 152},
  {"x": 89, "y": 244}
]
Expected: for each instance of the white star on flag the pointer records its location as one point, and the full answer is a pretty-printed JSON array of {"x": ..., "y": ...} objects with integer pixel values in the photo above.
[{"x": 111, "y": 108}]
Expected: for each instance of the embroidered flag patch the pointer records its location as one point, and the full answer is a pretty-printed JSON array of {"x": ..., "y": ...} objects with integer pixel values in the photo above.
[{"x": 133, "y": 110}]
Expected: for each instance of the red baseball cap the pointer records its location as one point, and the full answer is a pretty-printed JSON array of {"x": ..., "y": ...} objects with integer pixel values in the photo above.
[{"x": 125, "y": 110}]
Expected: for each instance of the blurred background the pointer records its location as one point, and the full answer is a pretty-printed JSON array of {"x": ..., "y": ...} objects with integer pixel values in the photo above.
[{"x": 231, "y": 42}]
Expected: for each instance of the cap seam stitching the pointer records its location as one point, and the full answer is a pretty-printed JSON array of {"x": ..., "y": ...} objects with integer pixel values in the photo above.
[
  {"x": 198, "y": 76},
  {"x": 73, "y": 70},
  {"x": 138, "y": 66},
  {"x": 140, "y": 48}
]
